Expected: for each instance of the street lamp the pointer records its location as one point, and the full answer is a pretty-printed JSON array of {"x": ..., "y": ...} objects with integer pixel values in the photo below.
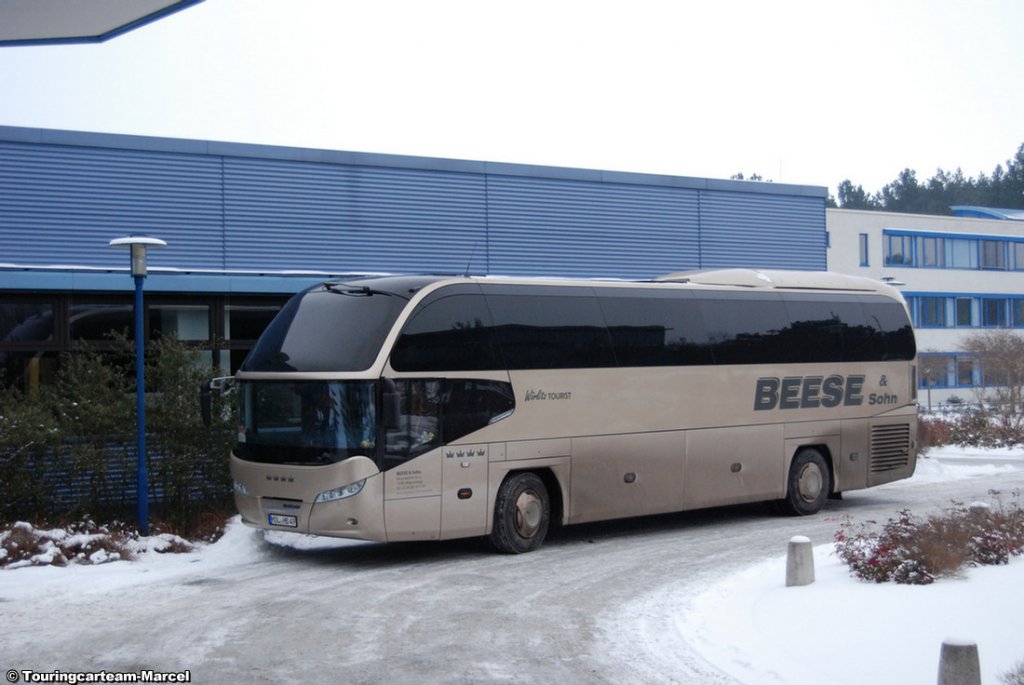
[{"x": 138, "y": 246}]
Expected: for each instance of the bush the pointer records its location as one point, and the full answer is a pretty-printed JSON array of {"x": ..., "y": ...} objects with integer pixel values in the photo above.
[
  {"x": 975, "y": 426},
  {"x": 932, "y": 432},
  {"x": 81, "y": 542},
  {"x": 70, "y": 449},
  {"x": 915, "y": 551},
  {"x": 193, "y": 470}
]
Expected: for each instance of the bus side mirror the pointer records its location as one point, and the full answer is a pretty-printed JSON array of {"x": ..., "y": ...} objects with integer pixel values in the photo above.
[{"x": 220, "y": 386}]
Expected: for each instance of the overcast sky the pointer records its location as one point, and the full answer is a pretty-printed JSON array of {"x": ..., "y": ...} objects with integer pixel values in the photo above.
[{"x": 799, "y": 92}]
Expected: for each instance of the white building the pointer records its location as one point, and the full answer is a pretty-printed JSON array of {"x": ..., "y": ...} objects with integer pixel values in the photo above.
[{"x": 959, "y": 274}]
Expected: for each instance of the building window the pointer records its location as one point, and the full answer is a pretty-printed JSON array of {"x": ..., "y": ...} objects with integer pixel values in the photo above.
[
  {"x": 931, "y": 253},
  {"x": 187, "y": 322},
  {"x": 35, "y": 331},
  {"x": 993, "y": 312},
  {"x": 935, "y": 370},
  {"x": 933, "y": 312},
  {"x": 993, "y": 254},
  {"x": 964, "y": 372},
  {"x": 24, "y": 322},
  {"x": 31, "y": 331},
  {"x": 864, "y": 249},
  {"x": 1018, "y": 312},
  {"x": 899, "y": 250},
  {"x": 963, "y": 311},
  {"x": 962, "y": 254},
  {"x": 993, "y": 378},
  {"x": 1018, "y": 255},
  {"x": 97, "y": 321},
  {"x": 242, "y": 324}
]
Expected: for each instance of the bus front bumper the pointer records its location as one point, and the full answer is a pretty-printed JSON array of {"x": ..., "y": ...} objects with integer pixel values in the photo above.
[{"x": 285, "y": 497}]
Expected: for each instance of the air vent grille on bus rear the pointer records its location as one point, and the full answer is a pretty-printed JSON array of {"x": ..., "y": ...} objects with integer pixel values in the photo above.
[{"x": 890, "y": 447}]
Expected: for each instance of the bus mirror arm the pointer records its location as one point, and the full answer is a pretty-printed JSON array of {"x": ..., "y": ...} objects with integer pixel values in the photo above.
[{"x": 222, "y": 386}]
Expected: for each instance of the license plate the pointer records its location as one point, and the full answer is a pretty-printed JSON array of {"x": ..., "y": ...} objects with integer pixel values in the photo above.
[{"x": 283, "y": 520}]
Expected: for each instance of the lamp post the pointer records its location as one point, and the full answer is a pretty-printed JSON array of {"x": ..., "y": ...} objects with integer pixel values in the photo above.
[{"x": 138, "y": 246}]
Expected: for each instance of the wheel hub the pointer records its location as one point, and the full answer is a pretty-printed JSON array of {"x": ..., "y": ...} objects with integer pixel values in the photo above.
[
  {"x": 528, "y": 514},
  {"x": 810, "y": 482}
]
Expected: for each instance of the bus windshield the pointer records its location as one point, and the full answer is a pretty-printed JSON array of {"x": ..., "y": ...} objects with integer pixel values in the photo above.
[
  {"x": 332, "y": 327},
  {"x": 306, "y": 422}
]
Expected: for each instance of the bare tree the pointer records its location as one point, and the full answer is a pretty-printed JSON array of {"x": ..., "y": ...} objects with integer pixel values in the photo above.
[
  {"x": 933, "y": 368},
  {"x": 1000, "y": 353}
]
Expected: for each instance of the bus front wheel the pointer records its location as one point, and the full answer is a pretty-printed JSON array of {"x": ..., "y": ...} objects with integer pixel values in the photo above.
[
  {"x": 522, "y": 513},
  {"x": 809, "y": 483}
]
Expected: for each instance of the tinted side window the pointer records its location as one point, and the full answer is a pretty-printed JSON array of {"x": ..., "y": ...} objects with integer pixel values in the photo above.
[
  {"x": 829, "y": 328},
  {"x": 655, "y": 327},
  {"x": 448, "y": 333},
  {"x": 469, "y": 405},
  {"x": 431, "y": 412},
  {"x": 544, "y": 328},
  {"x": 746, "y": 329},
  {"x": 896, "y": 333},
  {"x": 416, "y": 426}
]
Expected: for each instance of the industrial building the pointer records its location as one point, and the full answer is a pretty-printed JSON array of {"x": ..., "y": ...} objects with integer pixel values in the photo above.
[{"x": 249, "y": 225}]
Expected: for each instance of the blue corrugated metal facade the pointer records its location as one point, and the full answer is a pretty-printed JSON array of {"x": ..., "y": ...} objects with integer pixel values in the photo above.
[{"x": 223, "y": 207}]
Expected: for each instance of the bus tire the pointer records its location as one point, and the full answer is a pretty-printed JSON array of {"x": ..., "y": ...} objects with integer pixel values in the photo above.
[
  {"x": 809, "y": 483},
  {"x": 522, "y": 514}
]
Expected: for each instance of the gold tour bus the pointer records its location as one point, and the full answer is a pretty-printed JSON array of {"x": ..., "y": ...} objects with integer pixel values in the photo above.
[{"x": 432, "y": 407}]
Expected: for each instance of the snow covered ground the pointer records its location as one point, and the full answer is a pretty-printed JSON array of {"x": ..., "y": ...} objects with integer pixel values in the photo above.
[
  {"x": 747, "y": 626},
  {"x": 840, "y": 630}
]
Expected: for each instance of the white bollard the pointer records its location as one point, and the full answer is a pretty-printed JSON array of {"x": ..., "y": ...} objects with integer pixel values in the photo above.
[
  {"x": 958, "y": 663},
  {"x": 799, "y": 562}
]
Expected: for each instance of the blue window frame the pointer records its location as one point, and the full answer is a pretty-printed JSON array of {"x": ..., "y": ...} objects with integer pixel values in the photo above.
[
  {"x": 1018, "y": 312},
  {"x": 948, "y": 251},
  {"x": 963, "y": 312},
  {"x": 964, "y": 372},
  {"x": 992, "y": 254},
  {"x": 1018, "y": 255},
  {"x": 899, "y": 250},
  {"x": 963, "y": 254},
  {"x": 932, "y": 312},
  {"x": 993, "y": 312},
  {"x": 935, "y": 370},
  {"x": 931, "y": 252},
  {"x": 863, "y": 242}
]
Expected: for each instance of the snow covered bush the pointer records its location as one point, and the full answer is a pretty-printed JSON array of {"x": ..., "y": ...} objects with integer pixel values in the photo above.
[
  {"x": 915, "y": 551},
  {"x": 83, "y": 542},
  {"x": 932, "y": 432},
  {"x": 977, "y": 426}
]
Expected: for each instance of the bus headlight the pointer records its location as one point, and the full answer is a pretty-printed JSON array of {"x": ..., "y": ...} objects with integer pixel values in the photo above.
[
  {"x": 341, "y": 493},
  {"x": 240, "y": 488}
]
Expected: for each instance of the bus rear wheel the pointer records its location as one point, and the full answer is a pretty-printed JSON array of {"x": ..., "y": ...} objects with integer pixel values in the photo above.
[
  {"x": 522, "y": 514},
  {"x": 809, "y": 483}
]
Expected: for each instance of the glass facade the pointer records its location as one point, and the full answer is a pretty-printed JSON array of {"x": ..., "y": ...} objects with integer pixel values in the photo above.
[
  {"x": 911, "y": 249},
  {"x": 35, "y": 329},
  {"x": 946, "y": 310}
]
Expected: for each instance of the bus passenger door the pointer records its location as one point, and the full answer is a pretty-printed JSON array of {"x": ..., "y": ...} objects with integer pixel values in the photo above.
[{"x": 464, "y": 491}]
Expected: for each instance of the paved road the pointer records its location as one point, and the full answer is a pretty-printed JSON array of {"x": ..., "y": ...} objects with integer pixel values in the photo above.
[{"x": 583, "y": 609}]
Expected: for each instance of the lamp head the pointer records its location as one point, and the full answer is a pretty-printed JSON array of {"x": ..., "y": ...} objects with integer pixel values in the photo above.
[{"x": 138, "y": 245}]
